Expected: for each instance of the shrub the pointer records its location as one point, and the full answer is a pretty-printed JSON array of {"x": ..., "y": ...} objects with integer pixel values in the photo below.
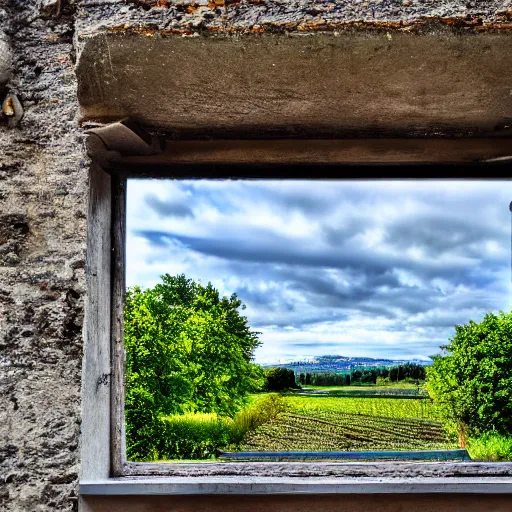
[
  {"x": 256, "y": 414},
  {"x": 383, "y": 381},
  {"x": 473, "y": 382},
  {"x": 490, "y": 447}
]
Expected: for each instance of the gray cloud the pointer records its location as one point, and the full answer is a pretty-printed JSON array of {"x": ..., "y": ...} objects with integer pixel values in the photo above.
[
  {"x": 168, "y": 208},
  {"x": 406, "y": 260}
]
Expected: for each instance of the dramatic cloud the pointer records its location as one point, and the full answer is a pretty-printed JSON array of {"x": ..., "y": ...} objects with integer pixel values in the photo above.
[{"x": 328, "y": 267}]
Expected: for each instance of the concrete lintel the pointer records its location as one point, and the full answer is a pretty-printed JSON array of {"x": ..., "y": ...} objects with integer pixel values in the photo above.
[{"x": 325, "y": 85}]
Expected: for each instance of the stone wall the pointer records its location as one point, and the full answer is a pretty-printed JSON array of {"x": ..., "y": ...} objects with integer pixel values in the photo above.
[
  {"x": 43, "y": 175},
  {"x": 43, "y": 190}
]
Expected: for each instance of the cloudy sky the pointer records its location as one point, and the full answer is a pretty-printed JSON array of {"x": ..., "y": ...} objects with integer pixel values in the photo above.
[{"x": 378, "y": 269}]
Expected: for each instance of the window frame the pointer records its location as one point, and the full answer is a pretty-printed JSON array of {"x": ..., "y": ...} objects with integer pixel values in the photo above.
[{"x": 104, "y": 466}]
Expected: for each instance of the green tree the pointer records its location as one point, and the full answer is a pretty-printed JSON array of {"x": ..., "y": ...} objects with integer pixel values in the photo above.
[
  {"x": 279, "y": 379},
  {"x": 473, "y": 381},
  {"x": 187, "y": 350}
]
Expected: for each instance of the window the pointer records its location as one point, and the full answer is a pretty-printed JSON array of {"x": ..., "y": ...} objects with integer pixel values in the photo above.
[
  {"x": 344, "y": 293},
  {"x": 104, "y": 326}
]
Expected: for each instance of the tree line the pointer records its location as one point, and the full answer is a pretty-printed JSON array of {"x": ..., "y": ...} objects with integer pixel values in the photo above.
[{"x": 404, "y": 372}]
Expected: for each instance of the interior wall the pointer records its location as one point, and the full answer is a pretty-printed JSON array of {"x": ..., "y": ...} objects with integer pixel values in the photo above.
[{"x": 43, "y": 191}]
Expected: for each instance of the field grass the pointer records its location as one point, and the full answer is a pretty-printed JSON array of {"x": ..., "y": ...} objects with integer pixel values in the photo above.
[
  {"x": 387, "y": 407},
  {"x": 327, "y": 423},
  {"x": 196, "y": 435},
  {"x": 395, "y": 390},
  {"x": 370, "y": 393},
  {"x": 320, "y": 423},
  {"x": 394, "y": 385},
  {"x": 491, "y": 447}
]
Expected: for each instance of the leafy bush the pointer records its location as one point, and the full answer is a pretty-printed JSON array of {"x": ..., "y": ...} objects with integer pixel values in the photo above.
[
  {"x": 472, "y": 384},
  {"x": 383, "y": 381},
  {"x": 187, "y": 350},
  {"x": 490, "y": 447}
]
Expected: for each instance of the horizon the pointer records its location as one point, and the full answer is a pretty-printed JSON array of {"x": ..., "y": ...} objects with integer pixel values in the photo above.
[
  {"x": 394, "y": 265},
  {"x": 313, "y": 359}
]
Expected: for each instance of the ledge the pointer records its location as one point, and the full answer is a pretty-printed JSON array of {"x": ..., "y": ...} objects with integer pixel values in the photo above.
[{"x": 250, "y": 485}]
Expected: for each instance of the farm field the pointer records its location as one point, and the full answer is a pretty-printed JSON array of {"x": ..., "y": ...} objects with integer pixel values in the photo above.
[
  {"x": 365, "y": 391},
  {"x": 393, "y": 386},
  {"x": 336, "y": 423}
]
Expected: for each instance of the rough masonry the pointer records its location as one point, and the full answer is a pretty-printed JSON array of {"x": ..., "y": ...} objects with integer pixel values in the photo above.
[{"x": 43, "y": 177}]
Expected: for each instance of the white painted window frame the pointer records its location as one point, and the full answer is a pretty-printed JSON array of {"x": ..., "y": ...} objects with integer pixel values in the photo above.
[{"x": 104, "y": 469}]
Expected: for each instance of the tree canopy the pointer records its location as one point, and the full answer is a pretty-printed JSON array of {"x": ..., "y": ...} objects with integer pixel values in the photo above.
[
  {"x": 279, "y": 379},
  {"x": 187, "y": 350},
  {"x": 473, "y": 381}
]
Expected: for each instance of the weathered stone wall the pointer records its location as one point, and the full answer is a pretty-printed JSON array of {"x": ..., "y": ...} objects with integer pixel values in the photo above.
[
  {"x": 43, "y": 172},
  {"x": 43, "y": 190}
]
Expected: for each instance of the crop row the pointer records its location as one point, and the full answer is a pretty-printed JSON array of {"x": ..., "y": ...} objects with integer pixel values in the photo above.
[
  {"x": 351, "y": 424},
  {"x": 393, "y": 408},
  {"x": 286, "y": 433},
  {"x": 378, "y": 422},
  {"x": 370, "y": 427}
]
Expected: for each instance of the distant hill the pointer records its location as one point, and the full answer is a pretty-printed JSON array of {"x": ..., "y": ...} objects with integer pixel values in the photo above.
[{"x": 341, "y": 364}]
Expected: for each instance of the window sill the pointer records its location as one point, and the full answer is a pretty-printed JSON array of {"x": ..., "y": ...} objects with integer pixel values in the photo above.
[{"x": 308, "y": 485}]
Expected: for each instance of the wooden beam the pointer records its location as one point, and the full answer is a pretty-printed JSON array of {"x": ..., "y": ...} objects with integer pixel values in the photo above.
[
  {"x": 96, "y": 373},
  {"x": 345, "y": 151}
]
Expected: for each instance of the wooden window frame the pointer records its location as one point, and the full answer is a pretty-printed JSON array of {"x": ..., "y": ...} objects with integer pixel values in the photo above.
[{"x": 104, "y": 466}]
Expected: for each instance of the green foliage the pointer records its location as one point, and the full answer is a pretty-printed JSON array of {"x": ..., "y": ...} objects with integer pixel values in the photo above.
[
  {"x": 193, "y": 435},
  {"x": 187, "y": 351},
  {"x": 319, "y": 423},
  {"x": 408, "y": 372},
  {"x": 329, "y": 379},
  {"x": 366, "y": 375},
  {"x": 200, "y": 435},
  {"x": 279, "y": 379},
  {"x": 490, "y": 446},
  {"x": 473, "y": 382},
  {"x": 261, "y": 411}
]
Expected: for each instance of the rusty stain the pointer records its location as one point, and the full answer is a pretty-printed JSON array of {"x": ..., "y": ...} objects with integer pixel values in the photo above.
[
  {"x": 503, "y": 22},
  {"x": 188, "y": 7}
]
